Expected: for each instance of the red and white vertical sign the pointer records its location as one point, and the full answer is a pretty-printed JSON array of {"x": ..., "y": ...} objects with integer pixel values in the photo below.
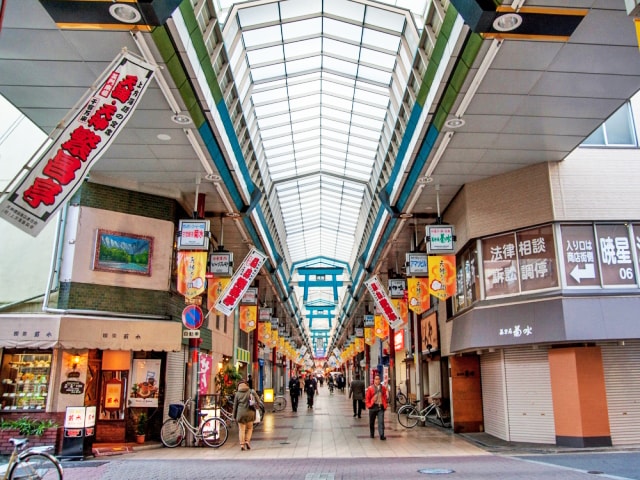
[
  {"x": 383, "y": 302},
  {"x": 59, "y": 171},
  {"x": 240, "y": 282}
]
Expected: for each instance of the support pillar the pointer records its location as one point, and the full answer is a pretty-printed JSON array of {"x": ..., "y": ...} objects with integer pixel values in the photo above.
[{"x": 578, "y": 390}]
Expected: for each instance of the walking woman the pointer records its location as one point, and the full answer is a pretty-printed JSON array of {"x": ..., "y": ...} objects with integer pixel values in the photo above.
[{"x": 244, "y": 412}]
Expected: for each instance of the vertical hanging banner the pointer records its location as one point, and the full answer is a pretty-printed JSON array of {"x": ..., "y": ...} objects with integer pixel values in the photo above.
[
  {"x": 383, "y": 302},
  {"x": 53, "y": 175},
  {"x": 418, "y": 294},
  {"x": 442, "y": 276},
  {"x": 248, "y": 317},
  {"x": 247, "y": 271},
  {"x": 192, "y": 268},
  {"x": 369, "y": 336},
  {"x": 215, "y": 286},
  {"x": 381, "y": 328}
]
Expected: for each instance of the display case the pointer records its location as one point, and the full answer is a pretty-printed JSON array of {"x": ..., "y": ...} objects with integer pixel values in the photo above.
[{"x": 25, "y": 381}]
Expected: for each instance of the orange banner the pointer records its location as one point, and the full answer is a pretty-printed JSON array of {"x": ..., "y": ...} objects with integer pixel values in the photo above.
[
  {"x": 401, "y": 306},
  {"x": 359, "y": 344},
  {"x": 274, "y": 338},
  {"x": 381, "y": 327},
  {"x": 264, "y": 332},
  {"x": 215, "y": 286},
  {"x": 369, "y": 336},
  {"x": 248, "y": 317},
  {"x": 192, "y": 268},
  {"x": 418, "y": 294},
  {"x": 442, "y": 276}
]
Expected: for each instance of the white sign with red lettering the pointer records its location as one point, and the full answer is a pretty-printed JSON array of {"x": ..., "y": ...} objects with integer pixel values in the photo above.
[
  {"x": 383, "y": 302},
  {"x": 57, "y": 173},
  {"x": 240, "y": 282}
]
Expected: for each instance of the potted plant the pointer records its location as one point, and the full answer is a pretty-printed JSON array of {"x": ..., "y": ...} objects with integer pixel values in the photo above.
[{"x": 141, "y": 427}]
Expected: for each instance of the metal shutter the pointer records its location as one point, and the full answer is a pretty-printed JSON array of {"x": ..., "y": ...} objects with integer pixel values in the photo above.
[
  {"x": 494, "y": 405},
  {"x": 175, "y": 379},
  {"x": 529, "y": 398},
  {"x": 622, "y": 380}
]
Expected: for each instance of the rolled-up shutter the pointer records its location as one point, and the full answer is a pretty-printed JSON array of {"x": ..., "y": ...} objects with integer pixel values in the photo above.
[{"x": 622, "y": 379}]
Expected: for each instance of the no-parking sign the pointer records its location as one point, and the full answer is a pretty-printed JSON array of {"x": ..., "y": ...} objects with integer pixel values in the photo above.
[{"x": 192, "y": 317}]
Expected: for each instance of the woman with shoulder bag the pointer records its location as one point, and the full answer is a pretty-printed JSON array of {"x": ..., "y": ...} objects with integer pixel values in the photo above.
[{"x": 245, "y": 403}]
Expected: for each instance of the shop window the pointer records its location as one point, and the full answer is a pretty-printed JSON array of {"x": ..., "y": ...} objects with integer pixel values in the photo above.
[
  {"x": 25, "y": 380},
  {"x": 468, "y": 284}
]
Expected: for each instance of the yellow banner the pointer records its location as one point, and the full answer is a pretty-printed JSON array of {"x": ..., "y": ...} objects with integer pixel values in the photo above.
[
  {"x": 442, "y": 276},
  {"x": 369, "y": 336},
  {"x": 359, "y": 345},
  {"x": 215, "y": 286},
  {"x": 418, "y": 294},
  {"x": 381, "y": 327},
  {"x": 264, "y": 332},
  {"x": 248, "y": 317},
  {"x": 274, "y": 338},
  {"x": 401, "y": 306},
  {"x": 192, "y": 268}
]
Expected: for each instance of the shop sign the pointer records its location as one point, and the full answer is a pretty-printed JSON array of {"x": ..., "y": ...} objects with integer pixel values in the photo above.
[
  {"x": 416, "y": 264},
  {"x": 580, "y": 256},
  {"x": 500, "y": 265},
  {"x": 220, "y": 263},
  {"x": 240, "y": 282},
  {"x": 615, "y": 252},
  {"x": 62, "y": 167},
  {"x": 72, "y": 387},
  {"x": 193, "y": 235},
  {"x": 442, "y": 276},
  {"x": 440, "y": 239},
  {"x": 537, "y": 265}
]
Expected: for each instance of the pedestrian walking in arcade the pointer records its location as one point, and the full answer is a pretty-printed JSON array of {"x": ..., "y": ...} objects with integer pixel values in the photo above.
[
  {"x": 356, "y": 392},
  {"x": 376, "y": 401},
  {"x": 310, "y": 388},
  {"x": 244, "y": 413},
  {"x": 294, "y": 392}
]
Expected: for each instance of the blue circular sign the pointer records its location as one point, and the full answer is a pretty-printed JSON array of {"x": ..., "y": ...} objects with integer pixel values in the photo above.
[{"x": 192, "y": 317}]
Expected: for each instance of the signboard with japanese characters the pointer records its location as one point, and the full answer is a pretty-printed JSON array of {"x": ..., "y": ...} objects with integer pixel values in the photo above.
[
  {"x": 246, "y": 273},
  {"x": 580, "y": 256},
  {"x": 500, "y": 265},
  {"x": 537, "y": 263},
  {"x": 416, "y": 264},
  {"x": 61, "y": 168},
  {"x": 439, "y": 239},
  {"x": 383, "y": 302},
  {"x": 193, "y": 235},
  {"x": 614, "y": 248},
  {"x": 220, "y": 263}
]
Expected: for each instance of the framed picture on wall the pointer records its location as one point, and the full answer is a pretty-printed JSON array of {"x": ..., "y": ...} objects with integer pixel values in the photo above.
[{"x": 122, "y": 252}]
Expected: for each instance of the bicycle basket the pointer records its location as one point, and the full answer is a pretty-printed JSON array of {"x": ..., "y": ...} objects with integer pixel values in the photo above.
[{"x": 175, "y": 410}]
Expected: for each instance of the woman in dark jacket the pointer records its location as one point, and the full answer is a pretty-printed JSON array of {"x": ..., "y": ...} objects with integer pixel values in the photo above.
[{"x": 244, "y": 413}]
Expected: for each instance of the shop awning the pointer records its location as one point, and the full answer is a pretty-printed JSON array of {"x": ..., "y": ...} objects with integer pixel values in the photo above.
[{"x": 104, "y": 333}]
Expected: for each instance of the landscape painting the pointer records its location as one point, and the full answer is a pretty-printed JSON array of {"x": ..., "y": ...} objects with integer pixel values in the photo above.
[{"x": 123, "y": 252}]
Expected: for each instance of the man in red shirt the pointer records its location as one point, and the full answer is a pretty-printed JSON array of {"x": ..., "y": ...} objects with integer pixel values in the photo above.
[{"x": 376, "y": 401}]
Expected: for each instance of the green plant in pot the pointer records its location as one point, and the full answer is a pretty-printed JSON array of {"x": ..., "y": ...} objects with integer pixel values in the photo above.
[{"x": 141, "y": 427}]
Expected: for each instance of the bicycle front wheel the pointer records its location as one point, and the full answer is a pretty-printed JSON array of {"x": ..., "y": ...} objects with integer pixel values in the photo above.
[
  {"x": 172, "y": 433},
  {"x": 214, "y": 432},
  {"x": 408, "y": 416},
  {"x": 279, "y": 404},
  {"x": 36, "y": 466}
]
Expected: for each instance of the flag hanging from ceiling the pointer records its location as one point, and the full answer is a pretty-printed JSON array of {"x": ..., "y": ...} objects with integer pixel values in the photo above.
[
  {"x": 442, "y": 276},
  {"x": 418, "y": 294},
  {"x": 240, "y": 282},
  {"x": 192, "y": 269},
  {"x": 54, "y": 173},
  {"x": 215, "y": 286},
  {"x": 248, "y": 317}
]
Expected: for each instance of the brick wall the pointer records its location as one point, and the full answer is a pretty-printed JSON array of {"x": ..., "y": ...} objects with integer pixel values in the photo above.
[
  {"x": 52, "y": 436},
  {"x": 125, "y": 201}
]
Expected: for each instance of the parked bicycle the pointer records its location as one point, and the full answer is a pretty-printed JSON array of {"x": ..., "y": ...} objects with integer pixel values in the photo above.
[
  {"x": 213, "y": 431},
  {"x": 408, "y": 415},
  {"x": 279, "y": 403},
  {"x": 33, "y": 463},
  {"x": 401, "y": 398}
]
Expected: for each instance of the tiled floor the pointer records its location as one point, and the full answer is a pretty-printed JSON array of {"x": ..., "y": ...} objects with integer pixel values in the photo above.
[{"x": 329, "y": 431}]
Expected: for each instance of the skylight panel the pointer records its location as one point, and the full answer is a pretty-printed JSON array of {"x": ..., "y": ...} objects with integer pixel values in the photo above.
[
  {"x": 336, "y": 115},
  {"x": 367, "y": 97},
  {"x": 265, "y": 55},
  {"x": 369, "y": 111},
  {"x": 340, "y": 66},
  {"x": 374, "y": 75},
  {"x": 273, "y": 120},
  {"x": 385, "y": 19},
  {"x": 384, "y": 61},
  {"x": 351, "y": 10},
  {"x": 338, "y": 29},
  {"x": 304, "y": 65},
  {"x": 301, "y": 29},
  {"x": 341, "y": 49},
  {"x": 337, "y": 102},
  {"x": 268, "y": 71},
  {"x": 305, "y": 88},
  {"x": 298, "y": 9},
  {"x": 305, "y": 114},
  {"x": 269, "y": 95},
  {"x": 299, "y": 103},
  {"x": 261, "y": 36},
  {"x": 381, "y": 40},
  {"x": 257, "y": 15},
  {"x": 303, "y": 48}
]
